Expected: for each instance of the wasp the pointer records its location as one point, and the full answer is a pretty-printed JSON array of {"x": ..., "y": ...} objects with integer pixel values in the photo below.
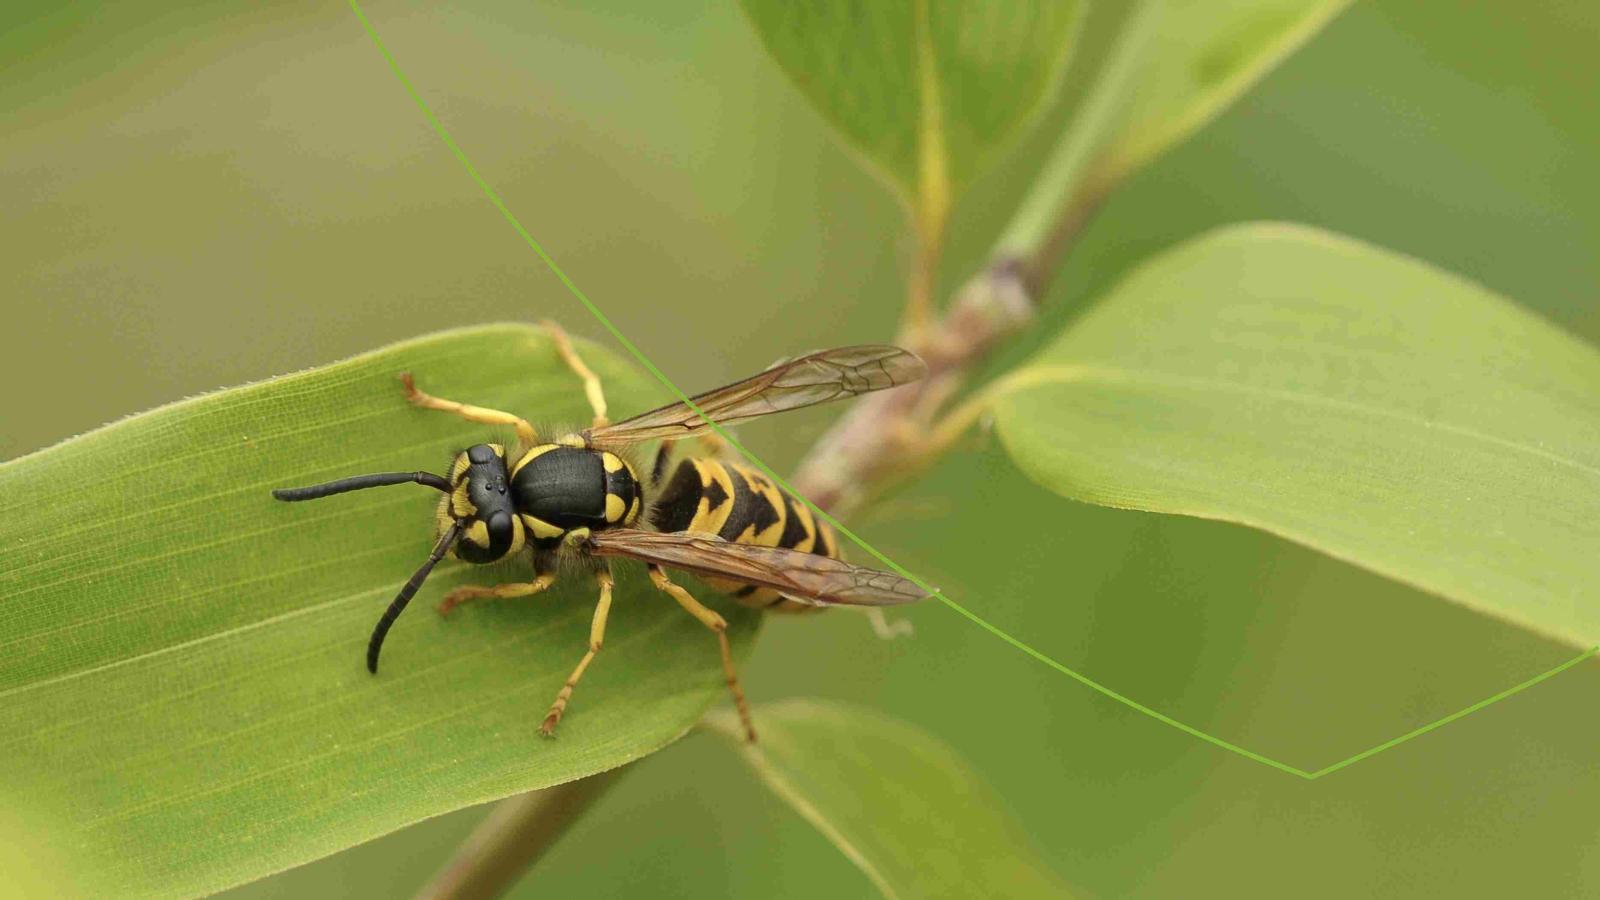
[{"x": 578, "y": 496}]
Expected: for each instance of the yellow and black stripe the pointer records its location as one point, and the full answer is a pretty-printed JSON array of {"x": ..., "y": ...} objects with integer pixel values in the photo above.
[{"x": 739, "y": 504}]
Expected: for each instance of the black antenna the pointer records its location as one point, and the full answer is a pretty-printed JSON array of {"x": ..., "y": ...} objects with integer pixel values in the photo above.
[
  {"x": 360, "y": 482},
  {"x": 375, "y": 645}
]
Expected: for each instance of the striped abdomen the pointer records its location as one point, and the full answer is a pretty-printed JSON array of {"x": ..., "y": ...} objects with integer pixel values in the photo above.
[{"x": 741, "y": 505}]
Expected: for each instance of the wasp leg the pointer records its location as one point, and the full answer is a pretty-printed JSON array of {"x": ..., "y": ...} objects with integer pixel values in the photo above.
[
  {"x": 591, "y": 381},
  {"x": 709, "y": 618},
  {"x": 481, "y": 415},
  {"x": 597, "y": 635},
  {"x": 715, "y": 445},
  {"x": 474, "y": 592},
  {"x": 885, "y": 628}
]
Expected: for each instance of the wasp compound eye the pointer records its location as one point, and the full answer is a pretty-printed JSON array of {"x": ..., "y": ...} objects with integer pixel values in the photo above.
[
  {"x": 486, "y": 509},
  {"x": 485, "y": 539}
]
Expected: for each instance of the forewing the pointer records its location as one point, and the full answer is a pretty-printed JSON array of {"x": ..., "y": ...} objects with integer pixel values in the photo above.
[
  {"x": 804, "y": 381},
  {"x": 806, "y": 577}
]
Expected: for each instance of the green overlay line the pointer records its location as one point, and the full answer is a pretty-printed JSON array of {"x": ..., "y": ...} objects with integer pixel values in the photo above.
[
  {"x": 1418, "y": 732},
  {"x": 637, "y": 354}
]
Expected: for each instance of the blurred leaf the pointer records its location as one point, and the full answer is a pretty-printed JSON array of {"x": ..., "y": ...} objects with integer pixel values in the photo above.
[
  {"x": 926, "y": 90},
  {"x": 29, "y": 866},
  {"x": 1359, "y": 402},
  {"x": 183, "y": 657},
  {"x": 1186, "y": 61},
  {"x": 905, "y": 809}
]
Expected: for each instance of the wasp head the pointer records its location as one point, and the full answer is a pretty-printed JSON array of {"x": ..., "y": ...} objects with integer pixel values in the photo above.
[{"x": 480, "y": 502}]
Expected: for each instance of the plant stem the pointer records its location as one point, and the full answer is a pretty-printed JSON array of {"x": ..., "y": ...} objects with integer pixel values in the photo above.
[
  {"x": 1067, "y": 172},
  {"x": 930, "y": 205},
  {"x": 516, "y": 835},
  {"x": 883, "y": 434},
  {"x": 920, "y": 282}
]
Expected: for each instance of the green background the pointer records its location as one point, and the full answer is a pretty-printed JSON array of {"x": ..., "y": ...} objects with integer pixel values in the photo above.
[{"x": 198, "y": 197}]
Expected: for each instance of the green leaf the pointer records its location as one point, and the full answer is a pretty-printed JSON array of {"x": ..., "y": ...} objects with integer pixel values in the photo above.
[
  {"x": 1353, "y": 400},
  {"x": 32, "y": 867},
  {"x": 183, "y": 678},
  {"x": 1191, "y": 59},
  {"x": 905, "y": 808},
  {"x": 1174, "y": 67},
  {"x": 928, "y": 91}
]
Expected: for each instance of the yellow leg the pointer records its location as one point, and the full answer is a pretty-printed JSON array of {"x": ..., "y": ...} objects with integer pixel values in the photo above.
[
  {"x": 882, "y": 626},
  {"x": 591, "y": 381},
  {"x": 474, "y": 592},
  {"x": 481, "y": 415},
  {"x": 709, "y": 618},
  {"x": 715, "y": 445},
  {"x": 597, "y": 636}
]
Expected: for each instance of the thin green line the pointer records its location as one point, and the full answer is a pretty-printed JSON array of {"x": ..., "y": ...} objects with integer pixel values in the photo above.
[
  {"x": 636, "y": 353},
  {"x": 1456, "y": 715}
]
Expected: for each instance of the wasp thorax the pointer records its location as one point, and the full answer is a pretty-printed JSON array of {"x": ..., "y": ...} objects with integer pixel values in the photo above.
[
  {"x": 480, "y": 500},
  {"x": 559, "y": 487}
]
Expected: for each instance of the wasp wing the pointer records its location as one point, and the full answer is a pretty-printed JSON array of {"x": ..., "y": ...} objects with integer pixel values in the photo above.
[
  {"x": 806, "y": 577},
  {"x": 791, "y": 384}
]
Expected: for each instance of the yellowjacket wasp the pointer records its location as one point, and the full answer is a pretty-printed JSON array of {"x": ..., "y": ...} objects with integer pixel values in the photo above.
[{"x": 712, "y": 517}]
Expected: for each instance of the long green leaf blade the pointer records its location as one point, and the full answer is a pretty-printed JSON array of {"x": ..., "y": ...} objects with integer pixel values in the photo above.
[
  {"x": 1173, "y": 67},
  {"x": 901, "y": 805},
  {"x": 928, "y": 91},
  {"x": 1196, "y": 58},
  {"x": 182, "y": 688},
  {"x": 1345, "y": 397}
]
